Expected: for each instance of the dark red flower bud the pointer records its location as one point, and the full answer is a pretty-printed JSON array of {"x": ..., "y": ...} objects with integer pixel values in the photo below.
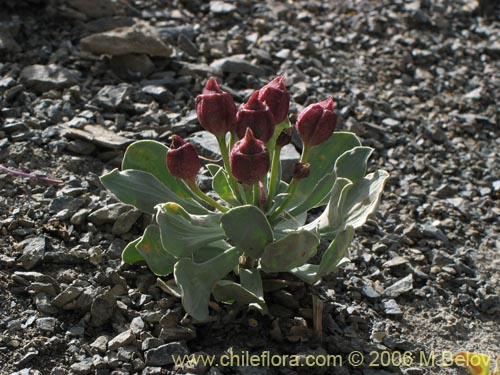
[
  {"x": 249, "y": 159},
  {"x": 182, "y": 160},
  {"x": 275, "y": 95},
  {"x": 301, "y": 170},
  {"x": 215, "y": 109},
  {"x": 284, "y": 138},
  {"x": 316, "y": 123},
  {"x": 257, "y": 116}
]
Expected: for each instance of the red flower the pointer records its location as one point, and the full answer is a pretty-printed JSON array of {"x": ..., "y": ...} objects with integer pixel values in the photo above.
[
  {"x": 215, "y": 109},
  {"x": 182, "y": 160},
  {"x": 257, "y": 116},
  {"x": 275, "y": 95},
  {"x": 316, "y": 123},
  {"x": 249, "y": 159}
]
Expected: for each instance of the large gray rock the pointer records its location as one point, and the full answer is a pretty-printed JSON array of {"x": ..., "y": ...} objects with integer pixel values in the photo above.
[
  {"x": 138, "y": 39},
  {"x": 48, "y": 77}
]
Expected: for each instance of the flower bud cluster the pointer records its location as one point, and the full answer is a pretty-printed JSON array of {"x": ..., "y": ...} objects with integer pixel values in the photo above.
[{"x": 254, "y": 124}]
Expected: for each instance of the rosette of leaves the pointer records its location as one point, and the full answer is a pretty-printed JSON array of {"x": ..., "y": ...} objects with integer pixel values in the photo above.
[{"x": 224, "y": 254}]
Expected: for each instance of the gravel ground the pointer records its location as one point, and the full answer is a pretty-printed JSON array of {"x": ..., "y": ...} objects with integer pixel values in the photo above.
[{"x": 418, "y": 81}]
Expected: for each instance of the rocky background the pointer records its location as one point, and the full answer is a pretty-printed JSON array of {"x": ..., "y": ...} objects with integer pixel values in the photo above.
[{"x": 81, "y": 79}]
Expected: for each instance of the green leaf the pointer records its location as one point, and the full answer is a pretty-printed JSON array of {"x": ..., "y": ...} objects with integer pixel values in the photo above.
[
  {"x": 182, "y": 234},
  {"x": 205, "y": 253},
  {"x": 220, "y": 184},
  {"x": 247, "y": 227},
  {"x": 158, "y": 260},
  {"x": 352, "y": 164},
  {"x": 362, "y": 199},
  {"x": 291, "y": 251},
  {"x": 291, "y": 222},
  {"x": 167, "y": 287},
  {"x": 322, "y": 159},
  {"x": 317, "y": 196},
  {"x": 213, "y": 168},
  {"x": 331, "y": 219},
  {"x": 307, "y": 272},
  {"x": 251, "y": 280},
  {"x": 332, "y": 258},
  {"x": 130, "y": 254},
  {"x": 228, "y": 291},
  {"x": 335, "y": 252},
  {"x": 196, "y": 280},
  {"x": 144, "y": 191},
  {"x": 151, "y": 156}
]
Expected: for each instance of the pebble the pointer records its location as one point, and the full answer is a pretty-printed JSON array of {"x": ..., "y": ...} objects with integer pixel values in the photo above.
[
  {"x": 100, "y": 344},
  {"x": 33, "y": 252},
  {"x": 43, "y": 78},
  {"x": 136, "y": 39},
  {"x": 162, "y": 355},
  {"x": 206, "y": 144},
  {"x": 68, "y": 295},
  {"x": 114, "y": 97},
  {"x": 400, "y": 287},
  {"x": 46, "y": 324},
  {"x": 101, "y": 310},
  {"x": 132, "y": 67},
  {"x": 121, "y": 340},
  {"x": 391, "y": 308},
  {"x": 236, "y": 64},
  {"x": 83, "y": 367}
]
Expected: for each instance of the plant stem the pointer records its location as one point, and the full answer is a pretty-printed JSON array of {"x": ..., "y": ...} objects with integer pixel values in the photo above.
[
  {"x": 256, "y": 194},
  {"x": 212, "y": 202},
  {"x": 221, "y": 140},
  {"x": 248, "y": 193},
  {"x": 30, "y": 175},
  {"x": 274, "y": 179},
  {"x": 291, "y": 188}
]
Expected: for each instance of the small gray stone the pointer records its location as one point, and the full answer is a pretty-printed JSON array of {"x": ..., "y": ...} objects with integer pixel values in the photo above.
[
  {"x": 162, "y": 355},
  {"x": 221, "y": 7},
  {"x": 80, "y": 216},
  {"x": 42, "y": 302},
  {"x": 150, "y": 343},
  {"x": 108, "y": 214},
  {"x": 399, "y": 287},
  {"x": 151, "y": 370},
  {"x": 170, "y": 334},
  {"x": 392, "y": 308},
  {"x": 395, "y": 262},
  {"x": 123, "y": 339},
  {"x": 100, "y": 344},
  {"x": 137, "y": 325},
  {"x": 138, "y": 39},
  {"x": 71, "y": 293},
  {"x": 125, "y": 221},
  {"x": 102, "y": 310},
  {"x": 132, "y": 67},
  {"x": 114, "y": 97},
  {"x": 83, "y": 367},
  {"x": 159, "y": 93},
  {"x": 33, "y": 252},
  {"x": 61, "y": 203},
  {"x": 46, "y": 324},
  {"x": 236, "y": 64},
  {"x": 206, "y": 144},
  {"x": 48, "y": 77},
  {"x": 369, "y": 292}
]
